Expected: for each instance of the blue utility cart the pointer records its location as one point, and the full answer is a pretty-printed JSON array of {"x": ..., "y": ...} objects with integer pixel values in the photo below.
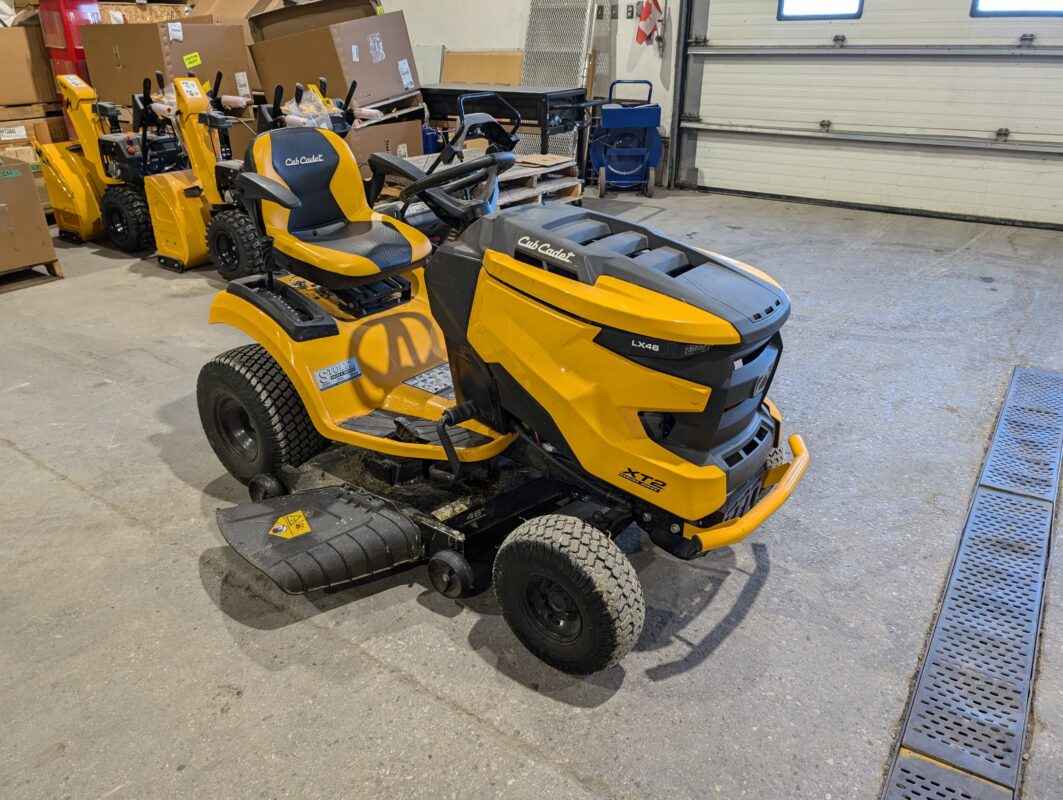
[{"x": 625, "y": 149}]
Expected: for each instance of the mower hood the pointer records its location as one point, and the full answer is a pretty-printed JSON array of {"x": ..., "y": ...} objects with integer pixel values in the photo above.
[{"x": 585, "y": 245}]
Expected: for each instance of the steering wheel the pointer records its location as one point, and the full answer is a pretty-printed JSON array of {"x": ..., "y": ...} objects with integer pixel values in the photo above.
[{"x": 439, "y": 189}]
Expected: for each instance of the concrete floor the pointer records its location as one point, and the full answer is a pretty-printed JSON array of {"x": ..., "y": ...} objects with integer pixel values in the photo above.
[{"x": 140, "y": 658}]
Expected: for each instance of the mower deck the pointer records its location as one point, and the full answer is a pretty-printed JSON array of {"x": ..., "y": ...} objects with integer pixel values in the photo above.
[
  {"x": 321, "y": 538},
  {"x": 327, "y": 537}
]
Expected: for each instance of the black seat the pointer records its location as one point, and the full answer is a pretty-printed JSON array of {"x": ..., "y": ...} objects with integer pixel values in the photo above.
[{"x": 329, "y": 234}]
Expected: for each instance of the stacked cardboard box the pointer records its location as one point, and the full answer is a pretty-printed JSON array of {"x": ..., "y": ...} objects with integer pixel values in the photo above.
[
  {"x": 29, "y": 108},
  {"x": 120, "y": 57},
  {"x": 345, "y": 41},
  {"x": 282, "y": 44}
]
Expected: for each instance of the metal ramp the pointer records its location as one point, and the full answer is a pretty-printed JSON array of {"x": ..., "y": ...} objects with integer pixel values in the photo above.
[{"x": 967, "y": 723}]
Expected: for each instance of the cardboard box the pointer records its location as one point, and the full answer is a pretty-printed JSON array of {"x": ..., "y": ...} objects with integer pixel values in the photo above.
[
  {"x": 398, "y": 138},
  {"x": 24, "y": 237},
  {"x": 491, "y": 67},
  {"x": 44, "y": 130},
  {"x": 241, "y": 135},
  {"x": 120, "y": 57},
  {"x": 278, "y": 19},
  {"x": 267, "y": 19},
  {"x": 376, "y": 51},
  {"x": 25, "y": 74}
]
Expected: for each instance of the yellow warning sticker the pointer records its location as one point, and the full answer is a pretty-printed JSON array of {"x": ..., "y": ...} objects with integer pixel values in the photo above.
[
  {"x": 193, "y": 60},
  {"x": 290, "y": 526}
]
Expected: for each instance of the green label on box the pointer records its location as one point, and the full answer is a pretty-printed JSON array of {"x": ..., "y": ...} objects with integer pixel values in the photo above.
[
  {"x": 193, "y": 60},
  {"x": 8, "y": 173}
]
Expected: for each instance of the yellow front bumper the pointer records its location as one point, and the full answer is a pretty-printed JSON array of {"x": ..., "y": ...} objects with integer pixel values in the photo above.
[{"x": 782, "y": 479}]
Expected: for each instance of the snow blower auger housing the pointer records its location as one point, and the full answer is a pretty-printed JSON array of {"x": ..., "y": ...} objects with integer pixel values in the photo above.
[
  {"x": 518, "y": 397},
  {"x": 96, "y": 185}
]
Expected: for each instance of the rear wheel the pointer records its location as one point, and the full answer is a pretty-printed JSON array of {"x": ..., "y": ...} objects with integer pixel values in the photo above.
[
  {"x": 569, "y": 594},
  {"x": 651, "y": 182},
  {"x": 254, "y": 419},
  {"x": 603, "y": 184},
  {"x": 235, "y": 245},
  {"x": 127, "y": 220}
]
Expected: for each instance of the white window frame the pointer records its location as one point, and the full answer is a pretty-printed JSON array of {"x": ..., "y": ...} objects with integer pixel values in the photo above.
[{"x": 803, "y": 17}]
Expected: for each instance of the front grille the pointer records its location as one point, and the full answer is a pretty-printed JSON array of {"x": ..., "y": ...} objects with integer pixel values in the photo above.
[
  {"x": 749, "y": 448},
  {"x": 739, "y": 502}
]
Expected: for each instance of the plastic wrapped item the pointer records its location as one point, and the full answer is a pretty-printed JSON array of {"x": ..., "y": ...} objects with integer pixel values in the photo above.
[{"x": 308, "y": 112}]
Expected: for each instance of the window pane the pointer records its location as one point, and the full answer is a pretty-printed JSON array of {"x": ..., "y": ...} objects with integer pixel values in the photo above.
[
  {"x": 1019, "y": 6},
  {"x": 819, "y": 8}
]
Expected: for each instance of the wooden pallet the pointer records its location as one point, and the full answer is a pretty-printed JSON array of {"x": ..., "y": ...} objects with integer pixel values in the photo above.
[
  {"x": 31, "y": 111},
  {"x": 23, "y": 278},
  {"x": 536, "y": 179}
]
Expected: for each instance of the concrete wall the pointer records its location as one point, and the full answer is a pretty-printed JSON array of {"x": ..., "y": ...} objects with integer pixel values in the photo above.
[{"x": 465, "y": 24}]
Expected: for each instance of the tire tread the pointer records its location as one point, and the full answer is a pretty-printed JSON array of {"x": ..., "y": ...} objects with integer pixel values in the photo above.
[
  {"x": 599, "y": 566},
  {"x": 249, "y": 241},
  {"x": 294, "y": 436},
  {"x": 136, "y": 206}
]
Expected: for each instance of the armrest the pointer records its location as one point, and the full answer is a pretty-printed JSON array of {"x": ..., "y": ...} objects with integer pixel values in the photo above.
[
  {"x": 259, "y": 187},
  {"x": 394, "y": 165},
  {"x": 383, "y": 164}
]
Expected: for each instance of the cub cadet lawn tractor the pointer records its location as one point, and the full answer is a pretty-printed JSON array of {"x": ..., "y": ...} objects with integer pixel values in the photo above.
[
  {"x": 515, "y": 399},
  {"x": 96, "y": 185},
  {"x": 196, "y": 212}
]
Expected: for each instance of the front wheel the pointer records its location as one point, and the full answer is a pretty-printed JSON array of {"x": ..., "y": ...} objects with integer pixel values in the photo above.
[
  {"x": 603, "y": 184},
  {"x": 253, "y": 418},
  {"x": 651, "y": 182},
  {"x": 235, "y": 245},
  {"x": 569, "y": 594},
  {"x": 127, "y": 220}
]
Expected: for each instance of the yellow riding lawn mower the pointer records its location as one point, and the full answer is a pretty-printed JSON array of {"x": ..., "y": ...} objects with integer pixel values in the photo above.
[
  {"x": 196, "y": 212},
  {"x": 514, "y": 399},
  {"x": 96, "y": 185}
]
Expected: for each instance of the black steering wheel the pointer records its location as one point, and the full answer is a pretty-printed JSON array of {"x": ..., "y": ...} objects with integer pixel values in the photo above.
[{"x": 439, "y": 190}]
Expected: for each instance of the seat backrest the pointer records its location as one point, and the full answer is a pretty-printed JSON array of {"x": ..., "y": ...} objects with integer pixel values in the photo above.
[{"x": 319, "y": 168}]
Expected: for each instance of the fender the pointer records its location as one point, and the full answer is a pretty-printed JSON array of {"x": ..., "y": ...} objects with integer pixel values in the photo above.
[{"x": 303, "y": 361}]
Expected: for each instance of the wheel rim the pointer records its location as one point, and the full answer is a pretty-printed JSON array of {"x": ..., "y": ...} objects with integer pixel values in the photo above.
[
  {"x": 236, "y": 428},
  {"x": 442, "y": 577},
  {"x": 552, "y": 609},
  {"x": 117, "y": 225},
  {"x": 228, "y": 253}
]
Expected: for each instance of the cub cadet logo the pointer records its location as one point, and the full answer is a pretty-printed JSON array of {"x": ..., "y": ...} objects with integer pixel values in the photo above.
[
  {"x": 638, "y": 344},
  {"x": 645, "y": 481},
  {"x": 302, "y": 161},
  {"x": 546, "y": 249}
]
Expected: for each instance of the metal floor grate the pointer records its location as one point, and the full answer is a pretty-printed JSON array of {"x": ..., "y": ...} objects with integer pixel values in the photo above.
[
  {"x": 972, "y": 697},
  {"x": 970, "y": 703},
  {"x": 1024, "y": 457},
  {"x": 916, "y": 778}
]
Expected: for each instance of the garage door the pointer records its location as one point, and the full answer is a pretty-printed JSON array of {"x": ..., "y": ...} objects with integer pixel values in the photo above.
[{"x": 950, "y": 107}]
